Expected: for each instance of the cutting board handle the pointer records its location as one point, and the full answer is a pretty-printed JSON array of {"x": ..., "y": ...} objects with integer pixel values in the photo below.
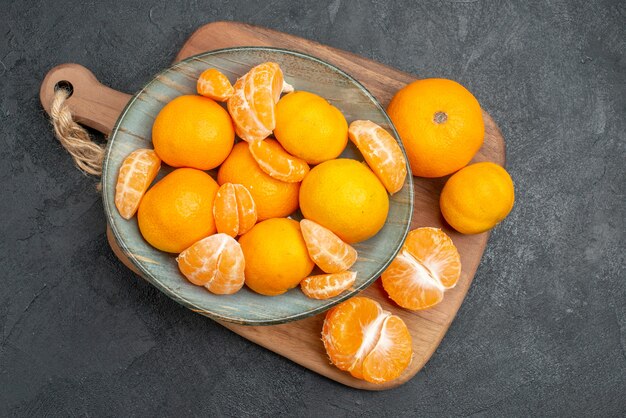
[{"x": 92, "y": 103}]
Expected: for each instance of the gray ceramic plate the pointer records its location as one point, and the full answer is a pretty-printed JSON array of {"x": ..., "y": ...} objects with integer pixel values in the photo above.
[{"x": 133, "y": 130}]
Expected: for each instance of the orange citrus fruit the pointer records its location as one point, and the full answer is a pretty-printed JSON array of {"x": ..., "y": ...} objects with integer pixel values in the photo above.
[
  {"x": 440, "y": 124},
  {"x": 273, "y": 198},
  {"x": 309, "y": 127},
  {"x": 324, "y": 286},
  {"x": 346, "y": 197},
  {"x": 363, "y": 339},
  {"x": 278, "y": 163},
  {"x": 178, "y": 210},
  {"x": 426, "y": 266},
  {"x": 276, "y": 256},
  {"x": 214, "y": 85},
  {"x": 215, "y": 262},
  {"x": 225, "y": 210},
  {"x": 477, "y": 197},
  {"x": 252, "y": 105},
  {"x": 193, "y": 131},
  {"x": 135, "y": 175},
  {"x": 234, "y": 210},
  {"x": 391, "y": 355},
  {"x": 326, "y": 249},
  {"x": 381, "y": 151}
]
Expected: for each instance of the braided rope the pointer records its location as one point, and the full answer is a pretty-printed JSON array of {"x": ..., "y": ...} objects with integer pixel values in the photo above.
[{"x": 74, "y": 138}]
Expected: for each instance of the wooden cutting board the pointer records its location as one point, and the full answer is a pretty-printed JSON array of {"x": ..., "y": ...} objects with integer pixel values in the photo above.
[{"x": 98, "y": 106}]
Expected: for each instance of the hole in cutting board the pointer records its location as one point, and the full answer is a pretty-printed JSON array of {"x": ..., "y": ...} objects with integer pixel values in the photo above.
[{"x": 65, "y": 85}]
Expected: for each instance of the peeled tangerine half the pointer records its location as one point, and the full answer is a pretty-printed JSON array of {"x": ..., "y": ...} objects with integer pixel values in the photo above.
[
  {"x": 135, "y": 175},
  {"x": 252, "y": 105},
  {"x": 367, "y": 341},
  {"x": 324, "y": 286},
  {"x": 326, "y": 249},
  {"x": 426, "y": 266},
  {"x": 278, "y": 163},
  {"x": 215, "y": 262},
  {"x": 381, "y": 152},
  {"x": 234, "y": 210},
  {"x": 214, "y": 85}
]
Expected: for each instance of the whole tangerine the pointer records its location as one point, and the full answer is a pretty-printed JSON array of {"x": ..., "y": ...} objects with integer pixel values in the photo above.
[
  {"x": 193, "y": 131},
  {"x": 346, "y": 197},
  {"x": 309, "y": 127},
  {"x": 440, "y": 124},
  {"x": 178, "y": 210},
  {"x": 477, "y": 197},
  {"x": 276, "y": 256}
]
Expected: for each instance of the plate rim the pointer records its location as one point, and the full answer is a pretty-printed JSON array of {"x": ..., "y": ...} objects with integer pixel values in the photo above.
[{"x": 147, "y": 275}]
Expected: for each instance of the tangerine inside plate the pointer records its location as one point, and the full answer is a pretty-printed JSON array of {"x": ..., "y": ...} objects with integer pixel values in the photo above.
[{"x": 304, "y": 72}]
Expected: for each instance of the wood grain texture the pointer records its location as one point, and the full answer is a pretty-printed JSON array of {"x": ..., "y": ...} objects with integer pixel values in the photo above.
[
  {"x": 300, "y": 341},
  {"x": 93, "y": 104}
]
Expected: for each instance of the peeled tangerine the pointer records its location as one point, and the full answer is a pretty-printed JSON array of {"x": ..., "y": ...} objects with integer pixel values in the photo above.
[
  {"x": 215, "y": 262},
  {"x": 427, "y": 265},
  {"x": 326, "y": 249},
  {"x": 252, "y": 105},
  {"x": 278, "y": 163},
  {"x": 324, "y": 286},
  {"x": 135, "y": 175},
  {"x": 234, "y": 210},
  {"x": 214, "y": 85},
  {"x": 381, "y": 151},
  {"x": 363, "y": 339}
]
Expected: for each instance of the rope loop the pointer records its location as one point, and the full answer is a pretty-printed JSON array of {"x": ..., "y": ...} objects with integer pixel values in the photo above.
[{"x": 74, "y": 138}]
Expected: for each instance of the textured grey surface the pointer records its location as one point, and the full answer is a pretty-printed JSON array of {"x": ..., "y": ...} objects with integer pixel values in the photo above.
[{"x": 543, "y": 329}]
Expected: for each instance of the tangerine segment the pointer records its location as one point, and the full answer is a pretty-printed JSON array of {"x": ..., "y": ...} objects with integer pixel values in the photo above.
[
  {"x": 252, "y": 105},
  {"x": 215, "y": 85},
  {"x": 410, "y": 284},
  {"x": 392, "y": 353},
  {"x": 215, "y": 262},
  {"x": 324, "y": 286},
  {"x": 435, "y": 250},
  {"x": 135, "y": 175},
  {"x": 370, "y": 343},
  {"x": 234, "y": 210},
  {"x": 278, "y": 163},
  {"x": 247, "y": 124},
  {"x": 381, "y": 151},
  {"x": 263, "y": 90},
  {"x": 326, "y": 249},
  {"x": 246, "y": 208},
  {"x": 225, "y": 210}
]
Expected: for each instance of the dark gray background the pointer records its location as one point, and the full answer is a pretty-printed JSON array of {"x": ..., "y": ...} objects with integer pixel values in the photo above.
[{"x": 543, "y": 328}]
